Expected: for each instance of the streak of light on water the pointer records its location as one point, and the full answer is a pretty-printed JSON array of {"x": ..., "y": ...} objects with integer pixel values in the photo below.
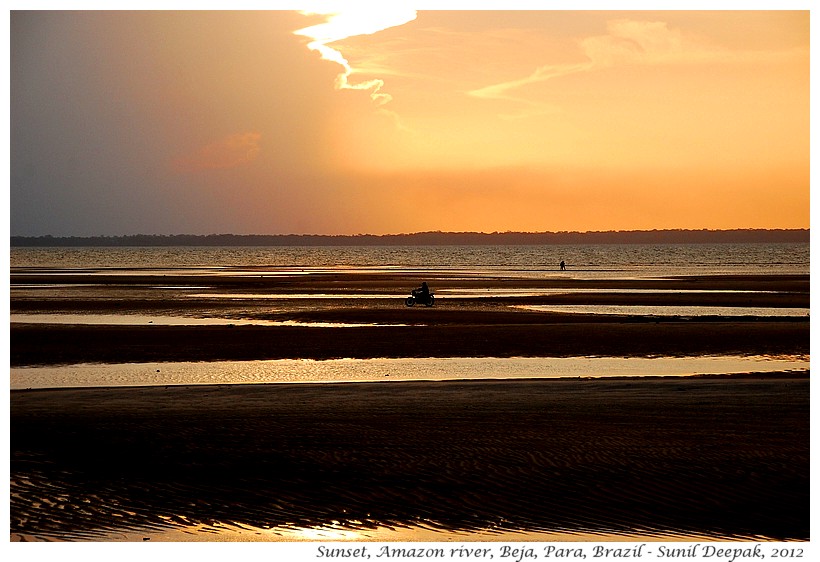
[
  {"x": 684, "y": 311},
  {"x": 382, "y": 369},
  {"x": 144, "y": 320}
]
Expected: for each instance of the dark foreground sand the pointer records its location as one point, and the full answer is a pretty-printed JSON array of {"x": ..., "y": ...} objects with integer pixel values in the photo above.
[{"x": 717, "y": 456}]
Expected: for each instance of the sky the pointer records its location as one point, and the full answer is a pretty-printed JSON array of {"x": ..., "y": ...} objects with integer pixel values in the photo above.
[{"x": 389, "y": 120}]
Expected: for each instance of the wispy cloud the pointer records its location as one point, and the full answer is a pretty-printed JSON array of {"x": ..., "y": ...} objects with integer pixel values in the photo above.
[
  {"x": 647, "y": 42},
  {"x": 627, "y": 42},
  {"x": 505, "y": 90}
]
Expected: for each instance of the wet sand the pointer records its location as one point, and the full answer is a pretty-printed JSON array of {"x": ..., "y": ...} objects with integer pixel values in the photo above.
[
  {"x": 724, "y": 457},
  {"x": 472, "y": 327},
  {"x": 44, "y": 345}
]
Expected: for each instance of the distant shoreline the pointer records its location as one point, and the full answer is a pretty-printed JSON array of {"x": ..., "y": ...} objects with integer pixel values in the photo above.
[{"x": 437, "y": 238}]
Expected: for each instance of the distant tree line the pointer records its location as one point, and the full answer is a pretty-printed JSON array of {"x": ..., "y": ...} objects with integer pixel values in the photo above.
[{"x": 427, "y": 238}]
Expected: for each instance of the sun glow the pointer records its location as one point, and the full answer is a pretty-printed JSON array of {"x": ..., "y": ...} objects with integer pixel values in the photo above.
[
  {"x": 442, "y": 119},
  {"x": 350, "y": 22}
]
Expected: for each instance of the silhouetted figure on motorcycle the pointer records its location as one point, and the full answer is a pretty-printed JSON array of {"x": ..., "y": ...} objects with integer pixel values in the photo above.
[{"x": 422, "y": 295}]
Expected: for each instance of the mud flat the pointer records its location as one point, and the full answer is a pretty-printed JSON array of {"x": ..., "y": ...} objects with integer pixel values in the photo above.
[
  {"x": 725, "y": 457},
  {"x": 478, "y": 324}
]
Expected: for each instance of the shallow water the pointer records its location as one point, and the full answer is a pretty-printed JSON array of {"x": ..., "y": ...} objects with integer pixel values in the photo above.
[
  {"x": 589, "y": 260},
  {"x": 245, "y": 533},
  {"x": 144, "y": 320},
  {"x": 361, "y": 370},
  {"x": 667, "y": 310}
]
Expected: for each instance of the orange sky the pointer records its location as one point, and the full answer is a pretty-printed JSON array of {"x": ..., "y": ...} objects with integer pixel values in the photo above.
[{"x": 203, "y": 122}]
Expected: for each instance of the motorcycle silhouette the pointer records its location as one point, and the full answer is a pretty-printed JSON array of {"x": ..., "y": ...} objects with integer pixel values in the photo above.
[{"x": 417, "y": 297}]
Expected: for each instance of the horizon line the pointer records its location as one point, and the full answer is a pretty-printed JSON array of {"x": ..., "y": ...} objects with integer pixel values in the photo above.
[{"x": 437, "y": 232}]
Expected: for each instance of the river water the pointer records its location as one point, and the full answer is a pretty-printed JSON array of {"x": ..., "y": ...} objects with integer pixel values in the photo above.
[{"x": 583, "y": 262}]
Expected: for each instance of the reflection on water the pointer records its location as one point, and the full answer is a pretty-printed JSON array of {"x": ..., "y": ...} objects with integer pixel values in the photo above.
[
  {"x": 354, "y": 532},
  {"x": 143, "y": 320},
  {"x": 350, "y": 370},
  {"x": 295, "y": 296},
  {"x": 466, "y": 293},
  {"x": 667, "y": 310}
]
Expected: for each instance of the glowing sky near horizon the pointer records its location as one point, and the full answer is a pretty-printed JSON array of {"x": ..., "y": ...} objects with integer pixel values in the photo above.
[{"x": 388, "y": 121}]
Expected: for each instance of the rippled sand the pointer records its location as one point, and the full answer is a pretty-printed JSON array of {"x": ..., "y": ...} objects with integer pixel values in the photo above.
[{"x": 679, "y": 457}]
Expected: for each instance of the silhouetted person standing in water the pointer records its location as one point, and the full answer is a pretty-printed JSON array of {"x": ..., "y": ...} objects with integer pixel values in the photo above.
[{"x": 562, "y": 266}]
